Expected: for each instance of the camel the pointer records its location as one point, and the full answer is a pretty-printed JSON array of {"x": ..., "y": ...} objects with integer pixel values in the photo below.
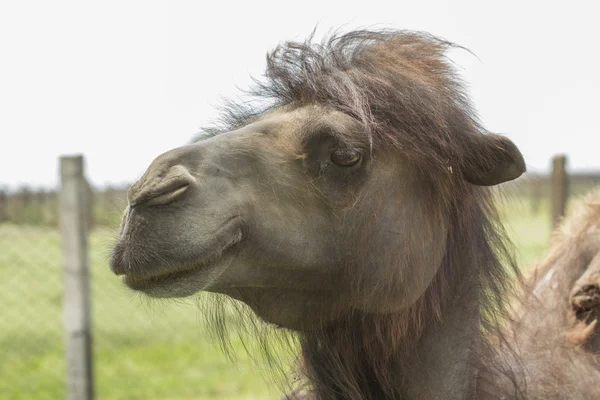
[
  {"x": 556, "y": 324},
  {"x": 350, "y": 202}
]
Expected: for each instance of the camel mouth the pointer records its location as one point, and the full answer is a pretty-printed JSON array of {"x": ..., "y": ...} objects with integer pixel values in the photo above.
[
  {"x": 143, "y": 283},
  {"x": 147, "y": 282},
  {"x": 174, "y": 271},
  {"x": 173, "y": 281}
]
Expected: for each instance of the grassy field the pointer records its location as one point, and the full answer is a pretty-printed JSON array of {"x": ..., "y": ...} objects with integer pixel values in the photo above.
[{"x": 141, "y": 350}]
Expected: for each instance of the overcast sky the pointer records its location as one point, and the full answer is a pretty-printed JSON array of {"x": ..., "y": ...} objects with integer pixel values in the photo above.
[{"x": 123, "y": 81}]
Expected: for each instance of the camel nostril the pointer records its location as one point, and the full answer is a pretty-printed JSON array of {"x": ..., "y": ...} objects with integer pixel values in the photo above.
[
  {"x": 167, "y": 196},
  {"x": 160, "y": 185},
  {"x": 164, "y": 194}
]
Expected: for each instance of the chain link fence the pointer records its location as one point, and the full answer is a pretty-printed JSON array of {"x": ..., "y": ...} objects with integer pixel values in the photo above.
[{"x": 141, "y": 349}]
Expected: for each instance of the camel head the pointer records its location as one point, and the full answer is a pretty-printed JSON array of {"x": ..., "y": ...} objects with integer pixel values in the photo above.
[{"x": 337, "y": 198}]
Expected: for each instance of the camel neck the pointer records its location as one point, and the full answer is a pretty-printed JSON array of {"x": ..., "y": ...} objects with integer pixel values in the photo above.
[
  {"x": 364, "y": 358},
  {"x": 443, "y": 364}
]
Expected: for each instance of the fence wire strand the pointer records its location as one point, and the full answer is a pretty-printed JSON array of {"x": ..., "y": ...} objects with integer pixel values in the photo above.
[{"x": 141, "y": 349}]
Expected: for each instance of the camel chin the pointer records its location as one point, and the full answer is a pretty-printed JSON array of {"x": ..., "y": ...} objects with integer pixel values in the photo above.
[
  {"x": 183, "y": 282},
  {"x": 169, "y": 270}
]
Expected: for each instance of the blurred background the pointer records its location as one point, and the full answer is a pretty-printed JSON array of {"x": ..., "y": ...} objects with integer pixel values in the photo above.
[{"x": 123, "y": 81}]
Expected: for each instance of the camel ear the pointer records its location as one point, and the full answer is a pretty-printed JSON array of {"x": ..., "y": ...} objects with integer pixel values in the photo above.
[{"x": 493, "y": 159}]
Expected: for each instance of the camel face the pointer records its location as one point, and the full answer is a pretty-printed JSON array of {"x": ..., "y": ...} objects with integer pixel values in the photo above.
[
  {"x": 266, "y": 213},
  {"x": 341, "y": 197}
]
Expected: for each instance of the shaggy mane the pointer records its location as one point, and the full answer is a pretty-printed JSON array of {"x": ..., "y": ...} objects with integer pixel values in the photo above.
[
  {"x": 399, "y": 84},
  {"x": 403, "y": 89}
]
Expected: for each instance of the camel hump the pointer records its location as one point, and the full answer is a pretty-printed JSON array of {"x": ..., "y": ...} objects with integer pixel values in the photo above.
[
  {"x": 585, "y": 296},
  {"x": 566, "y": 285},
  {"x": 585, "y": 306},
  {"x": 580, "y": 232}
]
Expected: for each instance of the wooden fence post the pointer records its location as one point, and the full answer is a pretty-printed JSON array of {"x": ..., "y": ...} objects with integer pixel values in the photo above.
[
  {"x": 89, "y": 193},
  {"x": 18, "y": 206},
  {"x": 3, "y": 211},
  {"x": 76, "y": 300},
  {"x": 560, "y": 188}
]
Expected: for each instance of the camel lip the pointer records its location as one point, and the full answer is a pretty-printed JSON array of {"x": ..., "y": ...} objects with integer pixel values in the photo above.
[
  {"x": 147, "y": 278},
  {"x": 142, "y": 282}
]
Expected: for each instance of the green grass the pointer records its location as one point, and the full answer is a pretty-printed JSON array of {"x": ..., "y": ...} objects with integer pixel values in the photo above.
[
  {"x": 141, "y": 350},
  {"x": 530, "y": 232}
]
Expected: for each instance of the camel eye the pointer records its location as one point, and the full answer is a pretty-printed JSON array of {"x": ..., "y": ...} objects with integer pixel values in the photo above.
[{"x": 345, "y": 158}]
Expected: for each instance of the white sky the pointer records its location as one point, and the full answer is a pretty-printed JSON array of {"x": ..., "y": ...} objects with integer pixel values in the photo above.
[{"x": 123, "y": 81}]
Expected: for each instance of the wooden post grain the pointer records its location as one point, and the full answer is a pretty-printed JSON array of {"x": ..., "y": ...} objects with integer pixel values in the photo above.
[
  {"x": 560, "y": 188},
  {"x": 76, "y": 300},
  {"x": 3, "y": 212}
]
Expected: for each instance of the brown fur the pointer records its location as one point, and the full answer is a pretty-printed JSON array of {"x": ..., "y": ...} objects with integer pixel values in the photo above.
[
  {"x": 558, "y": 340},
  {"x": 402, "y": 89},
  {"x": 394, "y": 274}
]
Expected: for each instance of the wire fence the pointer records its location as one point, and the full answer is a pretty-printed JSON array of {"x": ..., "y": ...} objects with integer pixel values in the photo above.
[
  {"x": 130, "y": 343},
  {"x": 141, "y": 349}
]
